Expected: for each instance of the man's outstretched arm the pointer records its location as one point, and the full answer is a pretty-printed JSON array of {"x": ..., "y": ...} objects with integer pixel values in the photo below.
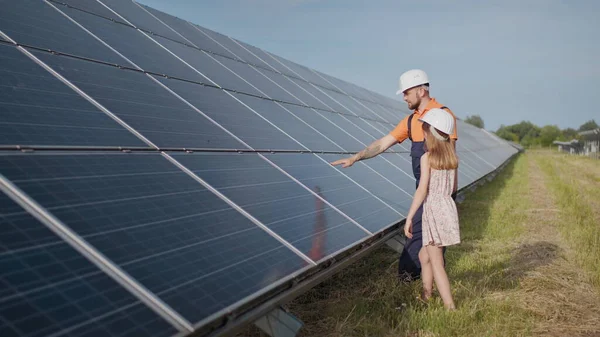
[{"x": 377, "y": 147}]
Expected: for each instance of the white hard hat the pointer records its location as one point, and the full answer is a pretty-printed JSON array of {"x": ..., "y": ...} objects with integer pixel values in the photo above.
[
  {"x": 411, "y": 79},
  {"x": 440, "y": 119}
]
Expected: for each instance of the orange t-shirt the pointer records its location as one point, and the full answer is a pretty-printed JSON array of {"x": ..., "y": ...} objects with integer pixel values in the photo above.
[{"x": 400, "y": 132}]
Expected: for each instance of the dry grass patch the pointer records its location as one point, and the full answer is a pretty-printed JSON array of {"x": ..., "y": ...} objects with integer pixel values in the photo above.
[{"x": 562, "y": 298}]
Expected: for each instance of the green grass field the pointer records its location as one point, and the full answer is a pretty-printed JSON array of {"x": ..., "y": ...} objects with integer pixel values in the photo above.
[{"x": 528, "y": 265}]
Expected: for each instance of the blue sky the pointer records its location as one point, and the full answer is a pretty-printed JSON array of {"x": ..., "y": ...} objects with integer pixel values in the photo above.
[{"x": 508, "y": 61}]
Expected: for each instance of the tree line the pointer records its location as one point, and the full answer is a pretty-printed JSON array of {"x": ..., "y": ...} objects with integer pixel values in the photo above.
[{"x": 528, "y": 134}]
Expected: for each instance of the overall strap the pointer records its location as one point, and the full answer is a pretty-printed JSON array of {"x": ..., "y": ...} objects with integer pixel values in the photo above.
[{"x": 410, "y": 126}]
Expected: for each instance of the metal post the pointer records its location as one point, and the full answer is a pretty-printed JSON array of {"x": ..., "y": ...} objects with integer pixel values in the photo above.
[
  {"x": 397, "y": 242},
  {"x": 279, "y": 323}
]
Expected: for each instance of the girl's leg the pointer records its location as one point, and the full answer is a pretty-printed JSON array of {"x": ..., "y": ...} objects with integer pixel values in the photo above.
[
  {"x": 426, "y": 273},
  {"x": 439, "y": 273}
]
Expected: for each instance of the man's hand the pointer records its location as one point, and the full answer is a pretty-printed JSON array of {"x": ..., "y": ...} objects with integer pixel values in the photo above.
[
  {"x": 370, "y": 151},
  {"x": 346, "y": 162}
]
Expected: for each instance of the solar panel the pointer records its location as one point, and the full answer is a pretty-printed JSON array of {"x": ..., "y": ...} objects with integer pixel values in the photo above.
[
  {"x": 186, "y": 172},
  {"x": 246, "y": 124},
  {"x": 142, "y": 103},
  {"x": 154, "y": 221},
  {"x": 37, "y": 109},
  {"x": 49, "y": 289},
  {"x": 191, "y": 33},
  {"x": 277, "y": 201}
]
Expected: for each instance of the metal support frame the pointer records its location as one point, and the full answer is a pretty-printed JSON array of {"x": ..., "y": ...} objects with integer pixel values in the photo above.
[
  {"x": 397, "y": 242},
  {"x": 279, "y": 323}
]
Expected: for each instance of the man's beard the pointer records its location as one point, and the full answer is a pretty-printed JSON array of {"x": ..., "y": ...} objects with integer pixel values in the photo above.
[{"x": 413, "y": 106}]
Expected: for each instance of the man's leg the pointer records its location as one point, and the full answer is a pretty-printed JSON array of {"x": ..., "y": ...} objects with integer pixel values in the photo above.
[{"x": 409, "y": 266}]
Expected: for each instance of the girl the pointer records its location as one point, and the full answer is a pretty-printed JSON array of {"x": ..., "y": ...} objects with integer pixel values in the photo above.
[{"x": 440, "y": 218}]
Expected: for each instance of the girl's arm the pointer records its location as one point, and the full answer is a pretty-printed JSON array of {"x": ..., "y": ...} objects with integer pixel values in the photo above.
[
  {"x": 455, "y": 188},
  {"x": 421, "y": 192}
]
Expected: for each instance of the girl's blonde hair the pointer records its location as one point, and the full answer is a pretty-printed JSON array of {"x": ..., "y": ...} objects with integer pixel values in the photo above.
[{"x": 442, "y": 155}]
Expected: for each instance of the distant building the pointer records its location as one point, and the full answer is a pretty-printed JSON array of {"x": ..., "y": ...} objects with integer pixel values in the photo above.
[
  {"x": 572, "y": 147},
  {"x": 590, "y": 141}
]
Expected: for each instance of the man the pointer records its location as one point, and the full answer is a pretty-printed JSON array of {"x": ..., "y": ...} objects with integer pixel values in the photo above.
[{"x": 414, "y": 85}]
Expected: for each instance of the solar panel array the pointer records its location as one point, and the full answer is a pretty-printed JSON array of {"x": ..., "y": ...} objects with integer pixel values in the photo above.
[{"x": 157, "y": 175}]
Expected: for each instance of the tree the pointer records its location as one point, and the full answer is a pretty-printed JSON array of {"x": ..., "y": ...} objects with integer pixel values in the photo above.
[
  {"x": 475, "y": 120},
  {"x": 589, "y": 125},
  {"x": 568, "y": 134},
  {"x": 549, "y": 134},
  {"x": 504, "y": 133}
]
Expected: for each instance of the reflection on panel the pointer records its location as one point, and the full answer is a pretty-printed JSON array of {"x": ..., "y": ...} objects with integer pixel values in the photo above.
[
  {"x": 49, "y": 288},
  {"x": 37, "y": 109},
  {"x": 277, "y": 201},
  {"x": 162, "y": 227},
  {"x": 358, "y": 203},
  {"x": 143, "y": 104}
]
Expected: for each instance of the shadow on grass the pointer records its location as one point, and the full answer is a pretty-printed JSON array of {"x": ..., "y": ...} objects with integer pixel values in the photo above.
[{"x": 505, "y": 273}]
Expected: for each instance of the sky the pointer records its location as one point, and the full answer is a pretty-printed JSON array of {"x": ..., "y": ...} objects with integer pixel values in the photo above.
[{"x": 507, "y": 61}]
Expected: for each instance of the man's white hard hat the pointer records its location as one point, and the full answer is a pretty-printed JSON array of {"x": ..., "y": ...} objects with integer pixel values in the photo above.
[
  {"x": 411, "y": 79},
  {"x": 440, "y": 119}
]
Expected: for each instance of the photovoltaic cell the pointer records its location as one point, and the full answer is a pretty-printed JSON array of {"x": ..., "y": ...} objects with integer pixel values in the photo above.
[
  {"x": 141, "y": 19},
  {"x": 398, "y": 196},
  {"x": 288, "y": 123},
  {"x": 260, "y": 54},
  {"x": 265, "y": 87},
  {"x": 236, "y": 49},
  {"x": 91, "y": 6},
  {"x": 326, "y": 101},
  {"x": 232, "y": 115},
  {"x": 339, "y": 190},
  {"x": 295, "y": 90},
  {"x": 162, "y": 227},
  {"x": 292, "y": 212},
  {"x": 135, "y": 46},
  {"x": 267, "y": 59},
  {"x": 258, "y": 80},
  {"x": 48, "y": 288},
  {"x": 35, "y": 23},
  {"x": 303, "y": 72},
  {"x": 209, "y": 67},
  {"x": 354, "y": 126},
  {"x": 143, "y": 104},
  {"x": 385, "y": 114},
  {"x": 358, "y": 107},
  {"x": 327, "y": 123},
  {"x": 38, "y": 109},
  {"x": 190, "y": 32}
]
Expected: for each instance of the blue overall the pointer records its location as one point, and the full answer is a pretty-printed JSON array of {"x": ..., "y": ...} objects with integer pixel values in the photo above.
[{"x": 409, "y": 266}]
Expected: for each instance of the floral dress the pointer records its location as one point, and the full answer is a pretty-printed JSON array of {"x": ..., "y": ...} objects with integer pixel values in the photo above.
[{"x": 440, "y": 217}]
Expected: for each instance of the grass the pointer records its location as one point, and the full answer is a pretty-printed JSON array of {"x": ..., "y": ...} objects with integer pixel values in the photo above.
[
  {"x": 512, "y": 275},
  {"x": 575, "y": 183}
]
